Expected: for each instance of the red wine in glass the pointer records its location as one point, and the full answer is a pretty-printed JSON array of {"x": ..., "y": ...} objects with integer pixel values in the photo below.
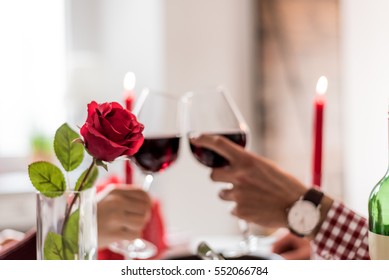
[
  {"x": 212, "y": 159},
  {"x": 157, "y": 153}
]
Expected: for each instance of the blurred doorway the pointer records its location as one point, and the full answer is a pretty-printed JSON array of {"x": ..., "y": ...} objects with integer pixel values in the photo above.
[{"x": 298, "y": 42}]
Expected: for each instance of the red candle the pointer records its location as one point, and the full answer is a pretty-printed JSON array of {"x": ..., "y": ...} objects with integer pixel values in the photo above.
[
  {"x": 129, "y": 85},
  {"x": 319, "y": 105},
  {"x": 129, "y": 96}
]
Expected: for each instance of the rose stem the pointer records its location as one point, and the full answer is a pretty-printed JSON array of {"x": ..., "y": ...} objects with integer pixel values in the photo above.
[{"x": 67, "y": 214}]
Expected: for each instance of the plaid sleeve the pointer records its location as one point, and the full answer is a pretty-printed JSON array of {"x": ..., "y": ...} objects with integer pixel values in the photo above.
[{"x": 342, "y": 236}]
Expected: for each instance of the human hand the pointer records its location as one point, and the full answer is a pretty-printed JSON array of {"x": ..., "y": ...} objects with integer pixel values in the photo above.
[
  {"x": 122, "y": 214},
  {"x": 261, "y": 190},
  {"x": 292, "y": 247}
]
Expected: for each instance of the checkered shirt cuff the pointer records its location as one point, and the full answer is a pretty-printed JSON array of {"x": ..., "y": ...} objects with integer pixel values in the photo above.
[{"x": 342, "y": 236}]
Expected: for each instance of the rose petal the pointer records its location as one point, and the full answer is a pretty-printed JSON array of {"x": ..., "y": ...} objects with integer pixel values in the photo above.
[
  {"x": 138, "y": 128},
  {"x": 133, "y": 144},
  {"x": 131, "y": 137},
  {"x": 116, "y": 105},
  {"x": 121, "y": 120},
  {"x": 91, "y": 111},
  {"x": 96, "y": 120},
  {"x": 105, "y": 109},
  {"x": 100, "y": 147},
  {"x": 134, "y": 148},
  {"x": 109, "y": 131}
]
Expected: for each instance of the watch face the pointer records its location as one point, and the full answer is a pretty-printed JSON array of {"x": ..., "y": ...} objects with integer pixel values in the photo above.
[{"x": 303, "y": 217}]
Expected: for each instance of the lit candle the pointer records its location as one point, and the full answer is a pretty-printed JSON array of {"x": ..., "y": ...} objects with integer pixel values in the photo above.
[
  {"x": 129, "y": 96},
  {"x": 319, "y": 105},
  {"x": 129, "y": 85}
]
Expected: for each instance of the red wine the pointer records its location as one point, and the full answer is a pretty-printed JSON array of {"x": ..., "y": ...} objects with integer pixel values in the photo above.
[
  {"x": 156, "y": 154},
  {"x": 212, "y": 159}
]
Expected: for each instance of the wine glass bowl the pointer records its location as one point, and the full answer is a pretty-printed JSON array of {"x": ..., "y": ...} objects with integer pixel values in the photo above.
[
  {"x": 213, "y": 112},
  {"x": 159, "y": 113}
]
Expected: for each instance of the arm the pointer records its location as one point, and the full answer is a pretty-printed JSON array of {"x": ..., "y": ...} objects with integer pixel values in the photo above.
[
  {"x": 263, "y": 193},
  {"x": 342, "y": 235}
]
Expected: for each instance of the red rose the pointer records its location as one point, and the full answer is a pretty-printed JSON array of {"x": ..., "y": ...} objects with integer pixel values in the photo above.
[{"x": 111, "y": 131}]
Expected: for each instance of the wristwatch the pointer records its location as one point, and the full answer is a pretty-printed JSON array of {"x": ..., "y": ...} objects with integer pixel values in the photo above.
[{"x": 304, "y": 215}]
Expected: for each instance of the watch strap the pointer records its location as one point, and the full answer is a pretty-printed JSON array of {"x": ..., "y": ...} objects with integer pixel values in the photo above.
[
  {"x": 296, "y": 233},
  {"x": 313, "y": 195}
]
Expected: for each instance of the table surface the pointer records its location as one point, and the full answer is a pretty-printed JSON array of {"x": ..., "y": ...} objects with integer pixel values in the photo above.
[{"x": 228, "y": 245}]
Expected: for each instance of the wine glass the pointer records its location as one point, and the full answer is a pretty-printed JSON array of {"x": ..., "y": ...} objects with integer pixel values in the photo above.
[
  {"x": 213, "y": 112},
  {"x": 158, "y": 112}
]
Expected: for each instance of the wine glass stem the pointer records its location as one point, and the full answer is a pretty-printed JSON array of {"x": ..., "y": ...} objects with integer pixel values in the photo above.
[
  {"x": 247, "y": 236},
  {"x": 147, "y": 182}
]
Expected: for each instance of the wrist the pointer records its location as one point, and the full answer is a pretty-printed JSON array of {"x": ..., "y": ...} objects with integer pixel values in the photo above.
[{"x": 325, "y": 207}]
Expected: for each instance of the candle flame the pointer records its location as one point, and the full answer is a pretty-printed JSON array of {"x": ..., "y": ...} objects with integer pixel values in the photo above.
[
  {"x": 321, "y": 86},
  {"x": 129, "y": 81}
]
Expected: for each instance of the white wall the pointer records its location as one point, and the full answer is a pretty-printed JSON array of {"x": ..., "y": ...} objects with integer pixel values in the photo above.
[
  {"x": 365, "y": 89},
  {"x": 107, "y": 39}
]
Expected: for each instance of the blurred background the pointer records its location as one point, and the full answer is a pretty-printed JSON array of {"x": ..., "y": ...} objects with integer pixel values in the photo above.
[{"x": 56, "y": 56}]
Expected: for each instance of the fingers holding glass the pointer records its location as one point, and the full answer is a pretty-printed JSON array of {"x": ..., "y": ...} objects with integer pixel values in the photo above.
[{"x": 217, "y": 132}]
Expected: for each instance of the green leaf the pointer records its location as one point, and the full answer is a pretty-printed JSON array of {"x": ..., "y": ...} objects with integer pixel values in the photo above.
[
  {"x": 53, "y": 247},
  {"x": 102, "y": 164},
  {"x": 70, "y": 236},
  {"x": 68, "y": 151},
  {"x": 47, "y": 178},
  {"x": 89, "y": 182}
]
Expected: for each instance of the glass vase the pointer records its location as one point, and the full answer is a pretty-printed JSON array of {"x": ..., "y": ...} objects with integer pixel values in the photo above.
[{"x": 67, "y": 225}]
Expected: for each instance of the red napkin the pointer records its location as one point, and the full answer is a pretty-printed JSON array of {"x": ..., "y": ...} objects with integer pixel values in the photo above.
[
  {"x": 106, "y": 254},
  {"x": 111, "y": 180},
  {"x": 154, "y": 230}
]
